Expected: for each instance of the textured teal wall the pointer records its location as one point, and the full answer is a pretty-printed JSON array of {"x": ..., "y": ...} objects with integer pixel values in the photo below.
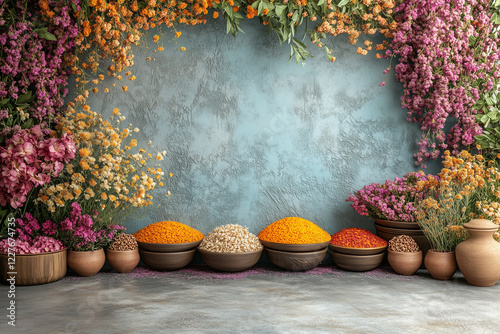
[{"x": 251, "y": 138}]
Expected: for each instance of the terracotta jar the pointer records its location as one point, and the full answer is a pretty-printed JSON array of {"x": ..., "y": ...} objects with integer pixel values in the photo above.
[
  {"x": 405, "y": 263},
  {"x": 123, "y": 261},
  {"x": 86, "y": 263},
  {"x": 479, "y": 256},
  {"x": 441, "y": 265}
]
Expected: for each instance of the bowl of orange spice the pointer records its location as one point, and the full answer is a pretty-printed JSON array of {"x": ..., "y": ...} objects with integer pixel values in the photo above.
[
  {"x": 357, "y": 249},
  {"x": 294, "y": 243},
  {"x": 167, "y": 245}
]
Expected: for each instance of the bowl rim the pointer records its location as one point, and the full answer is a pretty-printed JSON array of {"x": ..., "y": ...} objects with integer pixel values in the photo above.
[
  {"x": 315, "y": 252},
  {"x": 294, "y": 247},
  {"x": 332, "y": 252},
  {"x": 156, "y": 247},
  {"x": 230, "y": 254},
  {"x": 391, "y": 251},
  {"x": 44, "y": 253},
  {"x": 169, "y": 253},
  {"x": 358, "y": 251}
]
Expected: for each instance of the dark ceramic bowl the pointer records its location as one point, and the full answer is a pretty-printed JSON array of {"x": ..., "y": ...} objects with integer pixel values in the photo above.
[
  {"x": 358, "y": 251},
  {"x": 296, "y": 261},
  {"x": 230, "y": 261},
  {"x": 418, "y": 235},
  {"x": 352, "y": 262},
  {"x": 167, "y": 260},
  {"x": 396, "y": 224},
  {"x": 168, "y": 247},
  {"x": 294, "y": 247}
]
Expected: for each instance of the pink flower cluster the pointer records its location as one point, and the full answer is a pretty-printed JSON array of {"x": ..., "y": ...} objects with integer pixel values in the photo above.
[
  {"x": 40, "y": 244},
  {"x": 29, "y": 228},
  {"x": 448, "y": 56},
  {"x": 80, "y": 232},
  {"x": 393, "y": 200},
  {"x": 29, "y": 159},
  {"x": 30, "y": 62}
]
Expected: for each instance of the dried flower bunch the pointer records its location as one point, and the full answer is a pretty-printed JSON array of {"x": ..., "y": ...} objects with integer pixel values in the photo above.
[
  {"x": 107, "y": 174},
  {"x": 394, "y": 200},
  {"x": 467, "y": 189}
]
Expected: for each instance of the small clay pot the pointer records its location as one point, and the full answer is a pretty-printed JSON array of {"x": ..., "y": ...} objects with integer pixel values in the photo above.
[
  {"x": 405, "y": 263},
  {"x": 441, "y": 265},
  {"x": 123, "y": 261},
  {"x": 86, "y": 263}
]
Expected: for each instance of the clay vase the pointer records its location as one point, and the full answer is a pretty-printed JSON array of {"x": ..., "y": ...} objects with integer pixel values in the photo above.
[
  {"x": 405, "y": 263},
  {"x": 441, "y": 265},
  {"x": 123, "y": 261},
  {"x": 479, "y": 256},
  {"x": 86, "y": 263}
]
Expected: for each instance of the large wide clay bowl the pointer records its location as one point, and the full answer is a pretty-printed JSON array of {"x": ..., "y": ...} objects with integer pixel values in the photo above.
[
  {"x": 396, "y": 224},
  {"x": 163, "y": 261},
  {"x": 387, "y": 233},
  {"x": 152, "y": 247},
  {"x": 230, "y": 261},
  {"x": 296, "y": 261},
  {"x": 358, "y": 251},
  {"x": 294, "y": 247},
  {"x": 33, "y": 269},
  {"x": 405, "y": 263},
  {"x": 352, "y": 262},
  {"x": 123, "y": 261}
]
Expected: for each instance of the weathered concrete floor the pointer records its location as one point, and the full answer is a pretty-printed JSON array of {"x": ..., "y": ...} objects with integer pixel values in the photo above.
[{"x": 261, "y": 300}]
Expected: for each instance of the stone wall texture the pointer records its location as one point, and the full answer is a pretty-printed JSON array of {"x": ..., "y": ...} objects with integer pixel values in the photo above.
[{"x": 252, "y": 138}]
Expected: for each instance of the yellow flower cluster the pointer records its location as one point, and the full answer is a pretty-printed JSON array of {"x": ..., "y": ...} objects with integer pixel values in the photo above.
[
  {"x": 466, "y": 188},
  {"x": 109, "y": 171}
]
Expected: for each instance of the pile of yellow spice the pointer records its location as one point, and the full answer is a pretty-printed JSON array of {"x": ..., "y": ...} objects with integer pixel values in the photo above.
[
  {"x": 168, "y": 232},
  {"x": 294, "y": 230}
]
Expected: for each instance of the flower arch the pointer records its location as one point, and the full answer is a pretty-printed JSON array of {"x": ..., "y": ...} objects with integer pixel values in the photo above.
[{"x": 446, "y": 55}]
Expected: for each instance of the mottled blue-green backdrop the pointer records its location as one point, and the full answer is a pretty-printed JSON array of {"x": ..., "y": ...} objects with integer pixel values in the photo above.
[{"x": 252, "y": 138}]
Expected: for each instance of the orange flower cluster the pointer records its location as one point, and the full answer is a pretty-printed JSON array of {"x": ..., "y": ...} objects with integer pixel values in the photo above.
[
  {"x": 371, "y": 17},
  {"x": 466, "y": 188},
  {"x": 294, "y": 230},
  {"x": 168, "y": 232}
]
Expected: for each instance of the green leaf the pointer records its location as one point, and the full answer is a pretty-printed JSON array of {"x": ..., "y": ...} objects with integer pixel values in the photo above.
[
  {"x": 45, "y": 34},
  {"x": 280, "y": 10},
  {"x": 4, "y": 101},
  {"x": 489, "y": 100},
  {"x": 262, "y": 6},
  {"x": 25, "y": 97},
  {"x": 256, "y": 4},
  {"x": 321, "y": 2},
  {"x": 28, "y": 124},
  {"x": 343, "y": 3},
  {"x": 484, "y": 118}
]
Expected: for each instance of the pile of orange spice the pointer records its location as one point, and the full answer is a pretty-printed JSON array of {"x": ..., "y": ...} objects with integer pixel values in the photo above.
[
  {"x": 294, "y": 230},
  {"x": 168, "y": 232},
  {"x": 357, "y": 238}
]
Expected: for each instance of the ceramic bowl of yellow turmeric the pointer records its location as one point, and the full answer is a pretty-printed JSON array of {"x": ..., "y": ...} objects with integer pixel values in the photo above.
[
  {"x": 294, "y": 234},
  {"x": 168, "y": 236}
]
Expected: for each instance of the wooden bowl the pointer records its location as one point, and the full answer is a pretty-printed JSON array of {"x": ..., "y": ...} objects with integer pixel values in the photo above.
[
  {"x": 123, "y": 261},
  {"x": 352, "y": 262},
  {"x": 405, "y": 263},
  {"x": 358, "y": 251},
  {"x": 296, "y": 261},
  {"x": 33, "y": 269},
  {"x": 162, "y": 261},
  {"x": 294, "y": 247},
  {"x": 230, "y": 261},
  {"x": 152, "y": 247}
]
